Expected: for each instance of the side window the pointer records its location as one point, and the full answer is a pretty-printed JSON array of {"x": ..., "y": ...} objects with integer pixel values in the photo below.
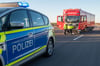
[
  {"x": 20, "y": 16},
  {"x": 60, "y": 18},
  {"x": 2, "y": 22},
  {"x": 84, "y": 18},
  {"x": 36, "y": 19},
  {"x": 46, "y": 20}
]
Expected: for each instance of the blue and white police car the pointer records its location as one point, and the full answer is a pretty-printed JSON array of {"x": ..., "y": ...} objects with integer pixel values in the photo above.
[{"x": 24, "y": 34}]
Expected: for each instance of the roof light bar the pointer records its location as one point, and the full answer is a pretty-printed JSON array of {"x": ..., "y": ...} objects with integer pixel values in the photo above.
[
  {"x": 14, "y": 4},
  {"x": 23, "y": 4}
]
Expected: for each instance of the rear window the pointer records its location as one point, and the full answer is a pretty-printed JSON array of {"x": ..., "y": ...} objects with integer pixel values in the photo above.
[{"x": 46, "y": 20}]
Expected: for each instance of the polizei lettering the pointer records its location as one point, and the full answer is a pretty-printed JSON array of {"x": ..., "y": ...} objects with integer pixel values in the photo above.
[{"x": 21, "y": 46}]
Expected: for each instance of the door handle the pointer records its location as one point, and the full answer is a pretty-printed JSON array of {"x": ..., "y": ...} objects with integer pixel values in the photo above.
[{"x": 30, "y": 34}]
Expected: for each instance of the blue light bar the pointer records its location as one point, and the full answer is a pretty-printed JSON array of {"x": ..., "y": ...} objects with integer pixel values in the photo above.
[{"x": 23, "y": 4}]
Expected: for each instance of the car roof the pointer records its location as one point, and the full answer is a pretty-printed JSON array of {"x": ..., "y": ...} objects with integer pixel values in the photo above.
[{"x": 9, "y": 9}]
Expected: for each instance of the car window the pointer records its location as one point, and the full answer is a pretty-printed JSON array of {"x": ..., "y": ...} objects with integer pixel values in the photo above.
[
  {"x": 37, "y": 19},
  {"x": 2, "y": 22},
  {"x": 20, "y": 16},
  {"x": 46, "y": 20}
]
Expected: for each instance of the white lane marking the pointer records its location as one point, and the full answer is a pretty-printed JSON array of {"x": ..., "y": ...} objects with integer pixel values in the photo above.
[{"x": 78, "y": 37}]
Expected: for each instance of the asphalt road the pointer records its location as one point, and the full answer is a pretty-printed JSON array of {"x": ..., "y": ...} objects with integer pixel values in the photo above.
[{"x": 72, "y": 50}]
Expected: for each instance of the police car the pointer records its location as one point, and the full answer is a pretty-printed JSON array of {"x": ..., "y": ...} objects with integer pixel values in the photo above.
[{"x": 24, "y": 34}]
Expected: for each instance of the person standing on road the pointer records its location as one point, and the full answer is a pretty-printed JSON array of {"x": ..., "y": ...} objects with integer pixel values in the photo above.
[
  {"x": 65, "y": 28},
  {"x": 70, "y": 27}
]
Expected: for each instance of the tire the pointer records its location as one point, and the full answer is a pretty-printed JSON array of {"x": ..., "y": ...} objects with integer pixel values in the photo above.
[
  {"x": 78, "y": 32},
  {"x": 1, "y": 63},
  {"x": 50, "y": 48},
  {"x": 91, "y": 29},
  {"x": 86, "y": 29}
]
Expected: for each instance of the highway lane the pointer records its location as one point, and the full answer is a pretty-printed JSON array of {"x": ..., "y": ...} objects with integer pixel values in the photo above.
[{"x": 84, "y": 51}]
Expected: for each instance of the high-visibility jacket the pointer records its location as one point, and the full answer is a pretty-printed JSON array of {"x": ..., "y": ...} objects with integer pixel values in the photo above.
[
  {"x": 65, "y": 26},
  {"x": 70, "y": 27}
]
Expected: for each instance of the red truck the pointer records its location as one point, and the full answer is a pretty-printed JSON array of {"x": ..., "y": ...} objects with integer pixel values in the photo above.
[{"x": 81, "y": 19}]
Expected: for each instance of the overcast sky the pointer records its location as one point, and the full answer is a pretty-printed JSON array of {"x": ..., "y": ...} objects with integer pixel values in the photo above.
[{"x": 52, "y": 8}]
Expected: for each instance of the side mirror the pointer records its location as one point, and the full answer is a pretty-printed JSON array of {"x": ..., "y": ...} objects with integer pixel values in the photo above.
[{"x": 16, "y": 24}]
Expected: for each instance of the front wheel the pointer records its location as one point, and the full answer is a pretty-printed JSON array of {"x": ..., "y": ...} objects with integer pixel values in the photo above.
[
  {"x": 86, "y": 29},
  {"x": 50, "y": 48},
  {"x": 77, "y": 32},
  {"x": 91, "y": 28}
]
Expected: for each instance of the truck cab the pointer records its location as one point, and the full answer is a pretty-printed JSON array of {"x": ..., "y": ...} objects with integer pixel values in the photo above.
[{"x": 80, "y": 19}]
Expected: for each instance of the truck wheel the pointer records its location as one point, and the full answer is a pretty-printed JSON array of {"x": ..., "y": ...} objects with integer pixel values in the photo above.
[
  {"x": 49, "y": 49},
  {"x": 91, "y": 29},
  {"x": 86, "y": 29},
  {"x": 78, "y": 32}
]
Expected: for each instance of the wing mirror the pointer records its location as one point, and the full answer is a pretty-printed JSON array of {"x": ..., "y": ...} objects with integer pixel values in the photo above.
[{"x": 16, "y": 24}]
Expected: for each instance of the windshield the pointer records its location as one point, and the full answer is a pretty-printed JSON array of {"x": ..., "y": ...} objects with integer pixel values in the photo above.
[{"x": 72, "y": 18}]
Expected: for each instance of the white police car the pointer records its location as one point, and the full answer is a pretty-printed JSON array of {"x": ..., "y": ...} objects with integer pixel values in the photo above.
[{"x": 24, "y": 34}]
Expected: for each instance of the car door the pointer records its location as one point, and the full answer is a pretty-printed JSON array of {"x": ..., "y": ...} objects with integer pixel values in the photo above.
[
  {"x": 19, "y": 36},
  {"x": 41, "y": 29}
]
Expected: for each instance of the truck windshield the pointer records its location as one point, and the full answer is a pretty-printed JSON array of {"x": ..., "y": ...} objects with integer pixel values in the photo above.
[{"x": 72, "y": 18}]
